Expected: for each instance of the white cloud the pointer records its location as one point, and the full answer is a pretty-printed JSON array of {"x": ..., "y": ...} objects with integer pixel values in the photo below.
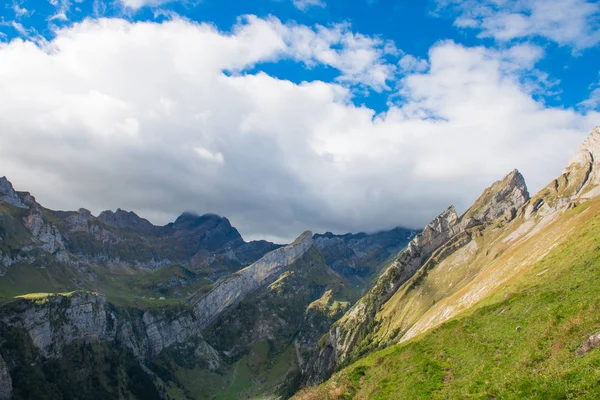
[
  {"x": 360, "y": 58},
  {"x": 62, "y": 10},
  {"x": 593, "y": 101},
  {"x": 409, "y": 63},
  {"x": 141, "y": 116},
  {"x": 137, "y": 4},
  {"x": 304, "y": 5},
  {"x": 573, "y": 23},
  {"x": 19, "y": 11}
]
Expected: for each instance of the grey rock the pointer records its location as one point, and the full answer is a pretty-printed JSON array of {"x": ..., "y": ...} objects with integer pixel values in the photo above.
[
  {"x": 5, "y": 381},
  {"x": 230, "y": 290},
  {"x": 511, "y": 192},
  {"x": 8, "y": 194},
  {"x": 163, "y": 332},
  {"x": 590, "y": 344},
  {"x": 47, "y": 235},
  {"x": 63, "y": 319}
]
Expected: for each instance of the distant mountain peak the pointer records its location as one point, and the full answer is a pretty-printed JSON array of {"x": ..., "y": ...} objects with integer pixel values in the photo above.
[
  {"x": 122, "y": 219},
  {"x": 190, "y": 220},
  {"x": 9, "y": 195}
]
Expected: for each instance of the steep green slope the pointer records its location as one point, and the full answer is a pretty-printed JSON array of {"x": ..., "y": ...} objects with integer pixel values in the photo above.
[{"x": 524, "y": 341}]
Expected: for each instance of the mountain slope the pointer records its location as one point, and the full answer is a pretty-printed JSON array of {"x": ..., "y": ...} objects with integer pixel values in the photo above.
[
  {"x": 43, "y": 337},
  {"x": 352, "y": 335},
  {"x": 526, "y": 340},
  {"x": 479, "y": 262}
]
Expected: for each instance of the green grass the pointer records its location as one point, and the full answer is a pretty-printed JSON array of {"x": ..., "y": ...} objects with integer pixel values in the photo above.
[
  {"x": 519, "y": 343},
  {"x": 42, "y": 298},
  {"x": 261, "y": 370}
]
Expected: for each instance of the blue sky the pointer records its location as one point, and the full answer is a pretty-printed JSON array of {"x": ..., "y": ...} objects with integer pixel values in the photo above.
[
  {"x": 292, "y": 114},
  {"x": 413, "y": 26}
]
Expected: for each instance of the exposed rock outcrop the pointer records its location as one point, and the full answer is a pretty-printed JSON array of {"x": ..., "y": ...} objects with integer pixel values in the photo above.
[
  {"x": 590, "y": 344},
  {"x": 503, "y": 196},
  {"x": 48, "y": 235},
  {"x": 8, "y": 194},
  {"x": 56, "y": 321},
  {"x": 578, "y": 182},
  {"x": 232, "y": 289},
  {"x": 5, "y": 381}
]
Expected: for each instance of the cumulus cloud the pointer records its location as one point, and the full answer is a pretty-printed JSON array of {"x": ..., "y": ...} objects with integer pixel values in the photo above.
[
  {"x": 409, "y": 63},
  {"x": 162, "y": 118},
  {"x": 573, "y": 23}
]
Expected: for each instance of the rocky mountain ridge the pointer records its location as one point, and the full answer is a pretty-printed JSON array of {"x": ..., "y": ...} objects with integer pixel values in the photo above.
[
  {"x": 343, "y": 342},
  {"x": 441, "y": 273},
  {"x": 55, "y": 322}
]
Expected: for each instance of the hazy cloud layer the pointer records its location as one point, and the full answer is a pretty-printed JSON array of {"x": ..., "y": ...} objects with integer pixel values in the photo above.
[{"x": 161, "y": 118}]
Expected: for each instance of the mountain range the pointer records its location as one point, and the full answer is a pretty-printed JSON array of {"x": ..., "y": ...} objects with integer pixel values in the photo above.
[{"x": 499, "y": 302}]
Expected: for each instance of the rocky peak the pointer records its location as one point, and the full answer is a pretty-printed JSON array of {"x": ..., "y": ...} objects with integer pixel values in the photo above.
[
  {"x": 499, "y": 199},
  {"x": 124, "y": 219},
  {"x": 580, "y": 180},
  {"x": 8, "y": 194},
  {"x": 589, "y": 151},
  {"x": 436, "y": 233}
]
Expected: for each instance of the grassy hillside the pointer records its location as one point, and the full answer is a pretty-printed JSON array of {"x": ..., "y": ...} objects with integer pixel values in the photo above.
[{"x": 520, "y": 342}]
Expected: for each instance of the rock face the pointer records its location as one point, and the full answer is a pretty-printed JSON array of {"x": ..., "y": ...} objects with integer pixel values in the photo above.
[
  {"x": 344, "y": 339},
  {"x": 505, "y": 195},
  {"x": 232, "y": 289},
  {"x": 586, "y": 160},
  {"x": 5, "y": 381},
  {"x": 60, "y": 320},
  {"x": 577, "y": 183},
  {"x": 8, "y": 194},
  {"x": 48, "y": 235}
]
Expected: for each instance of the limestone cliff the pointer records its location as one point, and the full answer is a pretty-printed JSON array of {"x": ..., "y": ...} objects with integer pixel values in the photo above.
[{"x": 232, "y": 289}]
